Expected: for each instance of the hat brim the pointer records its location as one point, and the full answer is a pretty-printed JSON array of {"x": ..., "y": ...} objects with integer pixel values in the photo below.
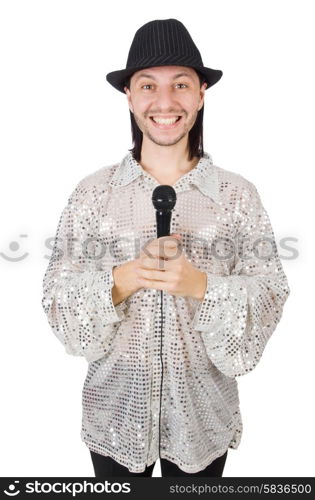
[{"x": 118, "y": 78}]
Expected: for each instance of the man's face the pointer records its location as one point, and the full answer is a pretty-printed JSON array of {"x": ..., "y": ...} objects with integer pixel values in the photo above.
[{"x": 161, "y": 92}]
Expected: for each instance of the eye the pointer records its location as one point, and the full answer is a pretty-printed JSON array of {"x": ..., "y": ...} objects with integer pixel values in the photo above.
[{"x": 149, "y": 85}]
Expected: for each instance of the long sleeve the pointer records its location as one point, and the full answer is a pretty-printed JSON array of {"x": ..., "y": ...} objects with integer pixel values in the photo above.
[
  {"x": 77, "y": 292},
  {"x": 240, "y": 311}
]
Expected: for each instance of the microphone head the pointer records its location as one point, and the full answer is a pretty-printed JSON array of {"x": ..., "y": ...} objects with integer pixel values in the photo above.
[{"x": 164, "y": 197}]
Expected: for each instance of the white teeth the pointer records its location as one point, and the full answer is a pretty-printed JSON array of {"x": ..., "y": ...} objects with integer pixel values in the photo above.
[{"x": 165, "y": 121}]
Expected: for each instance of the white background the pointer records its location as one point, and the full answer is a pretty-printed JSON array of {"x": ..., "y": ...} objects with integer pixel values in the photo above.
[{"x": 61, "y": 120}]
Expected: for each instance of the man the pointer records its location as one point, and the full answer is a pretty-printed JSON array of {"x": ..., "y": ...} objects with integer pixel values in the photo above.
[{"x": 161, "y": 380}]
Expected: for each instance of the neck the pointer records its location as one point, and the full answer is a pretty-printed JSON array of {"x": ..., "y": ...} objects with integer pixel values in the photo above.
[{"x": 166, "y": 163}]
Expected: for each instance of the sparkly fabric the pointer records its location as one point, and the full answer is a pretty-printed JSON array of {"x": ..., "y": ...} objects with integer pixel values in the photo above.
[{"x": 206, "y": 344}]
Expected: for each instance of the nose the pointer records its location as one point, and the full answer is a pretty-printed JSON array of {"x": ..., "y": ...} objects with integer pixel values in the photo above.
[{"x": 165, "y": 101}]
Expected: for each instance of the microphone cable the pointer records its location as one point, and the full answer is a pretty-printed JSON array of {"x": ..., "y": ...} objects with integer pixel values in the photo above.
[{"x": 161, "y": 385}]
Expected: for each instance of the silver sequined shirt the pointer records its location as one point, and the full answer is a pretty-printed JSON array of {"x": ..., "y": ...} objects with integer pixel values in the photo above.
[{"x": 226, "y": 232}]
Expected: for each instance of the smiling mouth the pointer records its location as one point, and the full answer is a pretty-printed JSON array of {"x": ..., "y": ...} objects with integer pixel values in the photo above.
[{"x": 166, "y": 125}]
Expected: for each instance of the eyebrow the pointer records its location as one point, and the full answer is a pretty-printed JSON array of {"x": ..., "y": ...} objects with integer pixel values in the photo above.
[{"x": 147, "y": 75}]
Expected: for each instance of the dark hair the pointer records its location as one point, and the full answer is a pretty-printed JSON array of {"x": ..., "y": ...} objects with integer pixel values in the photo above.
[{"x": 195, "y": 135}]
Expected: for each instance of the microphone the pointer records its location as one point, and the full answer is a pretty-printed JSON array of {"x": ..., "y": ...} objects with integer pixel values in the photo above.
[{"x": 163, "y": 199}]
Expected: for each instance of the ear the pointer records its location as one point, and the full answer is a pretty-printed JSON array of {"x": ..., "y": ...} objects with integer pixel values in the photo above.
[
  {"x": 202, "y": 95},
  {"x": 127, "y": 91}
]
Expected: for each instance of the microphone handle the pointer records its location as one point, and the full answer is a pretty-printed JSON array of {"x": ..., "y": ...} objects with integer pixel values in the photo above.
[{"x": 163, "y": 222}]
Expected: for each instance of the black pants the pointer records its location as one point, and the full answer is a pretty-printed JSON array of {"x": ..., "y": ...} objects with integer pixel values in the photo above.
[{"x": 105, "y": 467}]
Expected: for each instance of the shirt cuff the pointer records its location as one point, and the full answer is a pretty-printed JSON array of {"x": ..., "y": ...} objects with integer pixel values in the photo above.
[
  {"x": 101, "y": 300},
  {"x": 218, "y": 304}
]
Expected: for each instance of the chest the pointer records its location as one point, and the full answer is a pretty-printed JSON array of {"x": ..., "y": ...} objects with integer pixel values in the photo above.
[{"x": 128, "y": 221}]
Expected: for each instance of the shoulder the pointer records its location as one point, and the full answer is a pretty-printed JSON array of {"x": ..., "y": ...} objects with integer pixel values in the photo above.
[
  {"x": 239, "y": 196},
  {"x": 234, "y": 187},
  {"x": 94, "y": 185}
]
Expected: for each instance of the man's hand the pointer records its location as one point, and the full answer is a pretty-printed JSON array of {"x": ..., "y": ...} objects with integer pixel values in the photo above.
[
  {"x": 163, "y": 266},
  {"x": 125, "y": 283}
]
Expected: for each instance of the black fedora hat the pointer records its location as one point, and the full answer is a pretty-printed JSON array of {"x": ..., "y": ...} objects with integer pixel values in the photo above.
[{"x": 163, "y": 42}]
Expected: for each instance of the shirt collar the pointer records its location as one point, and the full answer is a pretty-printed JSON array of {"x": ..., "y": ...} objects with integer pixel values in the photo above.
[{"x": 204, "y": 175}]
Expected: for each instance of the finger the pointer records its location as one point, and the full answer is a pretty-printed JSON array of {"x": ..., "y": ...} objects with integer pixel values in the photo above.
[
  {"x": 171, "y": 250},
  {"x": 169, "y": 241},
  {"x": 155, "y": 284},
  {"x": 149, "y": 263},
  {"x": 156, "y": 263},
  {"x": 165, "y": 248},
  {"x": 161, "y": 247},
  {"x": 155, "y": 253},
  {"x": 150, "y": 251},
  {"x": 152, "y": 275}
]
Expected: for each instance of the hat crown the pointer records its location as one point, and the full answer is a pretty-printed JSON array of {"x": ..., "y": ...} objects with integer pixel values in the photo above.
[
  {"x": 159, "y": 41},
  {"x": 162, "y": 42}
]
